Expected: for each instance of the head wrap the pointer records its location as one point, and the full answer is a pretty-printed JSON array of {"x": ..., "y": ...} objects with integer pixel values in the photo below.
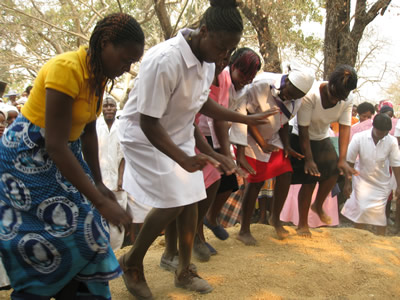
[{"x": 385, "y": 109}]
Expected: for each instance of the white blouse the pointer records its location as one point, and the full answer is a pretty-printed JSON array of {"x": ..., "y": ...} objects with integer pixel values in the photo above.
[
  {"x": 259, "y": 97},
  {"x": 317, "y": 118},
  {"x": 175, "y": 74}
]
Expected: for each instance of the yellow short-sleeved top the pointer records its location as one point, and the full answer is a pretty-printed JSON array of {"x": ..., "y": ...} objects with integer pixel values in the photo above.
[{"x": 67, "y": 73}]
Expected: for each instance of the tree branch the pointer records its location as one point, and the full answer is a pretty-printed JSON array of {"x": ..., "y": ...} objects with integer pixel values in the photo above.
[
  {"x": 119, "y": 5},
  {"x": 179, "y": 18},
  {"x": 45, "y": 22}
]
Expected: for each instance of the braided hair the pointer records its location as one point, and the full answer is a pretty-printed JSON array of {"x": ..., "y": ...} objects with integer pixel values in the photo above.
[
  {"x": 222, "y": 15},
  {"x": 118, "y": 28},
  {"x": 344, "y": 79},
  {"x": 246, "y": 60}
]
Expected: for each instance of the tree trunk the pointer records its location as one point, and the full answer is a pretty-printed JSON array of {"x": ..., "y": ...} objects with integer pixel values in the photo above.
[
  {"x": 341, "y": 43},
  {"x": 268, "y": 49},
  {"x": 163, "y": 17}
]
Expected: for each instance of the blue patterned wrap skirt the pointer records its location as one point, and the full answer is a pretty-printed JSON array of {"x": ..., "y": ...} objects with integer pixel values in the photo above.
[{"x": 49, "y": 232}]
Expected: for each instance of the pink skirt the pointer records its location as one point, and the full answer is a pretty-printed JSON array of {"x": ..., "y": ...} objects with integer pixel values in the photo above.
[
  {"x": 290, "y": 211},
  {"x": 210, "y": 173}
]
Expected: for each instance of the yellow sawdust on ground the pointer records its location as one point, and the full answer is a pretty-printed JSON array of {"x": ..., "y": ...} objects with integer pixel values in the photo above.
[{"x": 336, "y": 263}]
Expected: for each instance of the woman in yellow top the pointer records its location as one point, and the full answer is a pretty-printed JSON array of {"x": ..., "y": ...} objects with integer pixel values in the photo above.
[{"x": 53, "y": 204}]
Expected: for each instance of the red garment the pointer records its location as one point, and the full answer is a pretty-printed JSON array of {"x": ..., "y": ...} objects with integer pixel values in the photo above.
[{"x": 278, "y": 164}]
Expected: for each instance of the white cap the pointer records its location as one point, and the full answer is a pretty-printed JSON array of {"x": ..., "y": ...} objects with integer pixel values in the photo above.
[
  {"x": 11, "y": 93},
  {"x": 302, "y": 80},
  {"x": 4, "y": 111}
]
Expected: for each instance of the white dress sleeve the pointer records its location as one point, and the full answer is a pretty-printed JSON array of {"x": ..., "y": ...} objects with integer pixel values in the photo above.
[
  {"x": 238, "y": 132},
  {"x": 153, "y": 98}
]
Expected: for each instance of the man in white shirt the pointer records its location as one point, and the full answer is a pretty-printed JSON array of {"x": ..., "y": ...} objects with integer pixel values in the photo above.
[
  {"x": 112, "y": 165},
  {"x": 111, "y": 161},
  {"x": 377, "y": 151}
]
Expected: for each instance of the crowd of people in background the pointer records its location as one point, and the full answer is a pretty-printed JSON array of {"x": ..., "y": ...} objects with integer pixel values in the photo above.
[{"x": 203, "y": 136}]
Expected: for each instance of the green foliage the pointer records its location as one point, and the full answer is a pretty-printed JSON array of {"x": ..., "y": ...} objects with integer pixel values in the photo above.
[
  {"x": 285, "y": 18},
  {"x": 33, "y": 31}
]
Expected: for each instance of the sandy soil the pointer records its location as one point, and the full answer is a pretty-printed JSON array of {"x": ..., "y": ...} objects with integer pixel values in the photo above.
[{"x": 336, "y": 263}]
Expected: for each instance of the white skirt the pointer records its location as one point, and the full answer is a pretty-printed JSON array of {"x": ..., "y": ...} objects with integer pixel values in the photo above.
[
  {"x": 117, "y": 234},
  {"x": 367, "y": 203},
  {"x": 137, "y": 210},
  {"x": 155, "y": 180}
]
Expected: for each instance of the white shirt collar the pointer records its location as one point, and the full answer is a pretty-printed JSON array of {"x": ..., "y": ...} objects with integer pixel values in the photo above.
[
  {"x": 380, "y": 141},
  {"x": 189, "y": 58}
]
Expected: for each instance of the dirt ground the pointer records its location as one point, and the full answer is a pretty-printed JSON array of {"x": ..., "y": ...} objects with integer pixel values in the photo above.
[{"x": 336, "y": 263}]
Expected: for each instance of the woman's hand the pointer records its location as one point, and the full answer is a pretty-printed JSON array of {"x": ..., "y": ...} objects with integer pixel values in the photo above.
[
  {"x": 110, "y": 204},
  {"x": 114, "y": 213},
  {"x": 268, "y": 148},
  {"x": 198, "y": 162},
  {"x": 244, "y": 164},
  {"x": 105, "y": 191},
  {"x": 347, "y": 188},
  {"x": 346, "y": 170},
  {"x": 310, "y": 167},
  {"x": 290, "y": 152},
  {"x": 228, "y": 165},
  {"x": 261, "y": 118},
  {"x": 397, "y": 194},
  {"x": 119, "y": 184}
]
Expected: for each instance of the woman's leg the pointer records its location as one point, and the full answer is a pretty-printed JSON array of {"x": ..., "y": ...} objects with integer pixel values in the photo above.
[
  {"x": 186, "y": 277},
  {"x": 132, "y": 262},
  {"x": 200, "y": 250},
  {"x": 325, "y": 187},
  {"x": 282, "y": 186},
  {"x": 186, "y": 226},
  {"x": 359, "y": 226},
  {"x": 205, "y": 205},
  {"x": 262, "y": 206},
  {"x": 171, "y": 239},
  {"x": 156, "y": 221},
  {"x": 304, "y": 200},
  {"x": 249, "y": 201},
  {"x": 381, "y": 230},
  {"x": 216, "y": 206}
]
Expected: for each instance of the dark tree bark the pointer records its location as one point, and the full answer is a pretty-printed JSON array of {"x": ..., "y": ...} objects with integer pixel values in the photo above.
[
  {"x": 268, "y": 49},
  {"x": 341, "y": 41}
]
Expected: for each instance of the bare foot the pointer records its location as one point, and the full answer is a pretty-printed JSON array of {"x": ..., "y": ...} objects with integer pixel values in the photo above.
[
  {"x": 281, "y": 232},
  {"x": 322, "y": 215},
  {"x": 262, "y": 220},
  {"x": 304, "y": 232},
  {"x": 247, "y": 239}
]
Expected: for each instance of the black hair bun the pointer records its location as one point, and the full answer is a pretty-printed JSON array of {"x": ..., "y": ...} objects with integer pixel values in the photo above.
[{"x": 224, "y": 3}]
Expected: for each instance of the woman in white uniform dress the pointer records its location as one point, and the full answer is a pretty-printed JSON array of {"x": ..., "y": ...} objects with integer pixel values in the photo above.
[{"x": 157, "y": 136}]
